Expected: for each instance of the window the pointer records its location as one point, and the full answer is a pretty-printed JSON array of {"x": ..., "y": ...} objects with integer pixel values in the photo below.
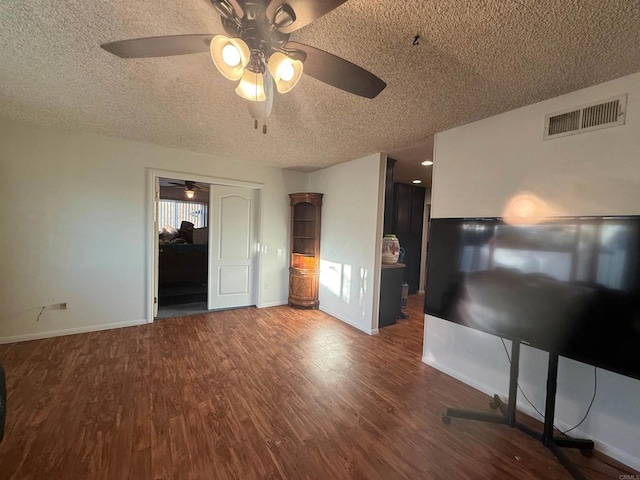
[{"x": 173, "y": 212}]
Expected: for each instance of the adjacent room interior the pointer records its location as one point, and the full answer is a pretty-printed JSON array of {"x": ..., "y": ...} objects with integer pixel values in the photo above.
[
  {"x": 280, "y": 249},
  {"x": 183, "y": 253}
]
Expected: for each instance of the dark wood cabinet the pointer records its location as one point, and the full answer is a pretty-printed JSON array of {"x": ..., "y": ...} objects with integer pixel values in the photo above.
[
  {"x": 306, "y": 209},
  {"x": 390, "y": 294},
  {"x": 403, "y": 205},
  {"x": 408, "y": 202}
]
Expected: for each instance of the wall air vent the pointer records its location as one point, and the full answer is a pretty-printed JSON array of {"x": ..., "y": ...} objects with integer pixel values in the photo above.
[{"x": 594, "y": 116}]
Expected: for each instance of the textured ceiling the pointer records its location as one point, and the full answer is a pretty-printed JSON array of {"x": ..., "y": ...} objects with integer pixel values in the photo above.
[{"x": 474, "y": 59}]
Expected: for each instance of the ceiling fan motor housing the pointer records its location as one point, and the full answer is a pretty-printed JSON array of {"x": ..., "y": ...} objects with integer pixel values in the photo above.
[{"x": 258, "y": 32}]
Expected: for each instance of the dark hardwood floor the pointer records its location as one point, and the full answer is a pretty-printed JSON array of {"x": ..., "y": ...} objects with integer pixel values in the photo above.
[{"x": 275, "y": 393}]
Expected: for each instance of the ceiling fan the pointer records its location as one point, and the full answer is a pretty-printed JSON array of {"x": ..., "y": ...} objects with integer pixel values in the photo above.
[
  {"x": 256, "y": 50},
  {"x": 189, "y": 186}
]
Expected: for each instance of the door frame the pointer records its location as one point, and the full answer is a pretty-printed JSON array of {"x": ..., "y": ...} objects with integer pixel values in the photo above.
[
  {"x": 153, "y": 175},
  {"x": 426, "y": 218}
]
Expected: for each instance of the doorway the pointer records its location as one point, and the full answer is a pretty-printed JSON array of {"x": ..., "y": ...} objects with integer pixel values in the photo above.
[
  {"x": 204, "y": 248},
  {"x": 406, "y": 215},
  {"x": 183, "y": 247}
]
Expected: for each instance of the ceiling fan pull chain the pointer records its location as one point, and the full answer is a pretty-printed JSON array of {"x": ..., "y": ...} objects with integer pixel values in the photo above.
[
  {"x": 264, "y": 128},
  {"x": 255, "y": 124}
]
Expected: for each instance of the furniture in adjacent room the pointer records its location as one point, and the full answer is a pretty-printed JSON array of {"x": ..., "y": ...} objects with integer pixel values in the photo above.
[
  {"x": 390, "y": 294},
  {"x": 305, "y": 249},
  {"x": 180, "y": 263},
  {"x": 407, "y": 224},
  {"x": 183, "y": 271}
]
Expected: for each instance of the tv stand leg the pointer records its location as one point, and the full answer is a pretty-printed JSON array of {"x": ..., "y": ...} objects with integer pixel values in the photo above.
[
  {"x": 581, "y": 444},
  {"x": 556, "y": 443},
  {"x": 507, "y": 414},
  {"x": 566, "y": 463}
]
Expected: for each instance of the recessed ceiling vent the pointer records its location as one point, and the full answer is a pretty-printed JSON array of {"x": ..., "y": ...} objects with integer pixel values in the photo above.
[{"x": 594, "y": 116}]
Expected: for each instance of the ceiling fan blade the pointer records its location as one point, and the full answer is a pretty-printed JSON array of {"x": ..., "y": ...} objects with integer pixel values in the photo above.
[
  {"x": 306, "y": 11},
  {"x": 338, "y": 72},
  {"x": 160, "y": 46}
]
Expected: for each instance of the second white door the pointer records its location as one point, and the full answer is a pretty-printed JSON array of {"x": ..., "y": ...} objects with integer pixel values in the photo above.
[{"x": 233, "y": 246}]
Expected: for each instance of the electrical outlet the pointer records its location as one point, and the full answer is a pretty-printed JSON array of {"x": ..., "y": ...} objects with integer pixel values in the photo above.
[{"x": 64, "y": 306}]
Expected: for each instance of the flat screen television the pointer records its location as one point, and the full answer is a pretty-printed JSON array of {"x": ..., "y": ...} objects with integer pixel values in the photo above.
[{"x": 569, "y": 285}]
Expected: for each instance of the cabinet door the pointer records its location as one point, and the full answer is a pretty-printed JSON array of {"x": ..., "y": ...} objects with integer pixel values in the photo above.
[
  {"x": 403, "y": 207},
  {"x": 417, "y": 208},
  {"x": 303, "y": 289}
]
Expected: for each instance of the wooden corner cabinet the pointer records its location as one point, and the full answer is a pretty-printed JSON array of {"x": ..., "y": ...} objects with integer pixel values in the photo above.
[{"x": 305, "y": 249}]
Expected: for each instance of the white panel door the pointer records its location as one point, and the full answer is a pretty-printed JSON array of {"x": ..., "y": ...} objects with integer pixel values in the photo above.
[{"x": 233, "y": 247}]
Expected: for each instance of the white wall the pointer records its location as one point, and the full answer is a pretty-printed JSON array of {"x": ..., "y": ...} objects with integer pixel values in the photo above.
[
  {"x": 350, "y": 245},
  {"x": 73, "y": 209},
  {"x": 479, "y": 167}
]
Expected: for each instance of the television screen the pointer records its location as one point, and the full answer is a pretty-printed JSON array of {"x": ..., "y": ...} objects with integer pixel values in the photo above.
[{"x": 568, "y": 285}]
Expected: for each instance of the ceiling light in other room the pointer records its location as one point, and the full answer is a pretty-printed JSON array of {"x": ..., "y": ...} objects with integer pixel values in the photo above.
[
  {"x": 230, "y": 56},
  {"x": 427, "y": 163},
  {"x": 251, "y": 87},
  {"x": 189, "y": 193},
  {"x": 285, "y": 71},
  {"x": 417, "y": 181}
]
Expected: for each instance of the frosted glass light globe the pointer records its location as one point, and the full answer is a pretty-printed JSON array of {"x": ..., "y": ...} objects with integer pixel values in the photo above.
[
  {"x": 231, "y": 55},
  {"x": 287, "y": 72}
]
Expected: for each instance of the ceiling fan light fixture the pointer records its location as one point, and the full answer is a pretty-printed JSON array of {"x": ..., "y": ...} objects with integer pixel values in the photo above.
[
  {"x": 262, "y": 110},
  {"x": 230, "y": 56},
  {"x": 189, "y": 193},
  {"x": 286, "y": 71},
  {"x": 251, "y": 86}
]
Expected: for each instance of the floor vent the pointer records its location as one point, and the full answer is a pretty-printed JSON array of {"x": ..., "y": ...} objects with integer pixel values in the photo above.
[{"x": 594, "y": 116}]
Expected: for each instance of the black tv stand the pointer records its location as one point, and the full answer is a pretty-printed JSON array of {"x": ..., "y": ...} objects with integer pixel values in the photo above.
[{"x": 507, "y": 415}]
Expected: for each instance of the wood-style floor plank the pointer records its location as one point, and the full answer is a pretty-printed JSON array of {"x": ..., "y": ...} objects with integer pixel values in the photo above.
[{"x": 270, "y": 394}]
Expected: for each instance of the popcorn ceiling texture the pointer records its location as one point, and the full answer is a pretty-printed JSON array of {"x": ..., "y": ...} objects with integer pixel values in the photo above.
[{"x": 475, "y": 59}]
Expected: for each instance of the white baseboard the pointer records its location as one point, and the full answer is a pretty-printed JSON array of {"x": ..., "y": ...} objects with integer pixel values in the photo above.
[
  {"x": 70, "y": 331},
  {"x": 350, "y": 322},
  {"x": 601, "y": 446},
  {"x": 277, "y": 303},
  {"x": 375, "y": 331},
  {"x": 420, "y": 292}
]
